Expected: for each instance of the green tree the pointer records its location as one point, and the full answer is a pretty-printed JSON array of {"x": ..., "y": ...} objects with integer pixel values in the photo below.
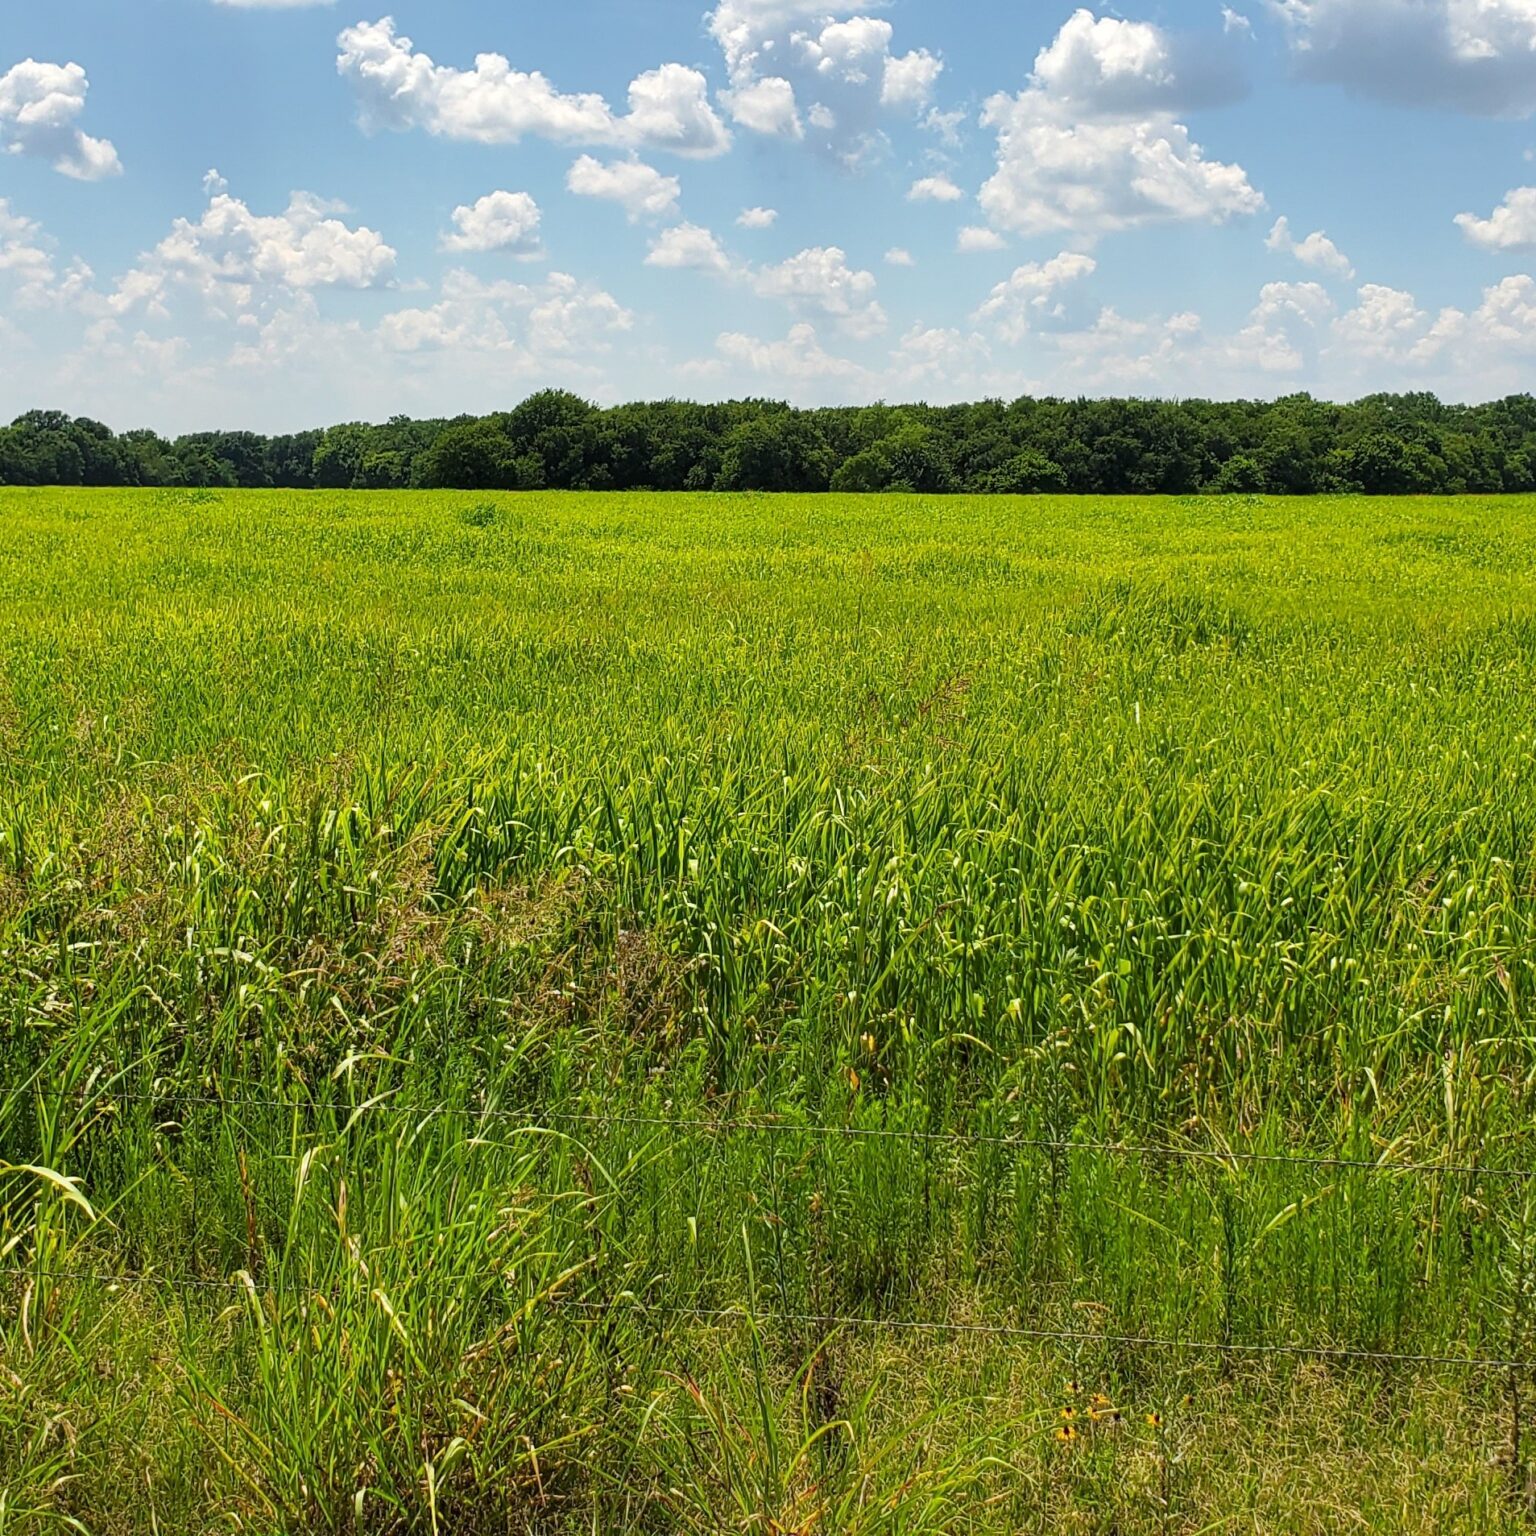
[
  {"x": 910, "y": 459},
  {"x": 339, "y": 456},
  {"x": 778, "y": 451},
  {"x": 1381, "y": 464},
  {"x": 1028, "y": 473},
  {"x": 472, "y": 456},
  {"x": 382, "y": 470},
  {"x": 558, "y": 429},
  {"x": 1241, "y": 472}
]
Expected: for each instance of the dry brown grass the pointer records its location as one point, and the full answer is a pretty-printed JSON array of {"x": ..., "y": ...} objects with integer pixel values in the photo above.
[{"x": 650, "y": 995}]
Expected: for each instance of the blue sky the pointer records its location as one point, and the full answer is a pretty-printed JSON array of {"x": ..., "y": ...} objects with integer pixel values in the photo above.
[{"x": 285, "y": 213}]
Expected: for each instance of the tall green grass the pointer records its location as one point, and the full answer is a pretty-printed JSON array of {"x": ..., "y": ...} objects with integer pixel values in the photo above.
[{"x": 639, "y": 1013}]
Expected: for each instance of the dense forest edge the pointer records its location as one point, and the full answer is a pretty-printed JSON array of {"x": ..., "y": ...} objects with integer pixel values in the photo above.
[{"x": 1383, "y": 444}]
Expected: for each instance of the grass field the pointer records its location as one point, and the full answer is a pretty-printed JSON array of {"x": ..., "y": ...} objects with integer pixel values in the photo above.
[{"x": 644, "y": 1014}]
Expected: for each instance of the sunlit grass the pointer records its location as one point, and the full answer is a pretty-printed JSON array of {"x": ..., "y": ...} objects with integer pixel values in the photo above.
[{"x": 384, "y": 880}]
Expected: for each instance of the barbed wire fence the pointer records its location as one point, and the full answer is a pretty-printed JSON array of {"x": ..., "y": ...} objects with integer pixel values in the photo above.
[
  {"x": 529, "y": 1117},
  {"x": 669, "y": 1312},
  {"x": 103, "y": 1097}
]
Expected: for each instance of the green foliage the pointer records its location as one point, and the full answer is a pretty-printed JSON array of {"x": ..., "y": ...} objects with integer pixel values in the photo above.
[
  {"x": 472, "y": 456},
  {"x": 777, "y": 451},
  {"x": 910, "y": 459},
  {"x": 484, "y": 984},
  {"x": 1025, "y": 474},
  {"x": 554, "y": 440},
  {"x": 1240, "y": 473},
  {"x": 339, "y": 457}
]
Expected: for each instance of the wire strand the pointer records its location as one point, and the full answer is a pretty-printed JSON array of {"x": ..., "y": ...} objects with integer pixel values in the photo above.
[
  {"x": 531, "y": 1117},
  {"x": 834, "y": 1320}
]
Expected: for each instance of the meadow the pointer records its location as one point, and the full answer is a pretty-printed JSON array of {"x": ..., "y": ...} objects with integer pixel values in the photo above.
[{"x": 874, "y": 1014}]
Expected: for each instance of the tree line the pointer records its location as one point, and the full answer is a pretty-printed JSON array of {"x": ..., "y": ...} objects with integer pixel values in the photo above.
[{"x": 1383, "y": 444}]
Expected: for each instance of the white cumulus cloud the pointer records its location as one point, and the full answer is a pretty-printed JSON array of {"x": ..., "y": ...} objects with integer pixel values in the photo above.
[
  {"x": 27, "y": 261},
  {"x": 639, "y": 189},
  {"x": 399, "y": 88},
  {"x": 1507, "y": 315},
  {"x": 821, "y": 281},
  {"x": 823, "y": 62},
  {"x": 1091, "y": 145},
  {"x": 1314, "y": 250},
  {"x": 934, "y": 189},
  {"x": 908, "y": 81},
  {"x": 231, "y": 255},
  {"x": 690, "y": 247},
  {"x": 799, "y": 356},
  {"x": 558, "y": 318},
  {"x": 40, "y": 107},
  {"x": 757, "y": 218},
  {"x": 1476, "y": 56},
  {"x": 1086, "y": 178},
  {"x": 974, "y": 238},
  {"x": 499, "y": 221},
  {"x": 1018, "y": 303},
  {"x": 766, "y": 106},
  {"x": 1480, "y": 352},
  {"x": 1282, "y": 332},
  {"x": 1382, "y": 324},
  {"x": 853, "y": 49},
  {"x": 1510, "y": 227},
  {"x": 1107, "y": 63}
]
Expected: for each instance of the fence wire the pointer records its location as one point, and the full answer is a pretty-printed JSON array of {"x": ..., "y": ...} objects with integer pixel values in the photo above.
[
  {"x": 833, "y": 1321},
  {"x": 534, "y": 1117},
  {"x": 539, "y": 1118}
]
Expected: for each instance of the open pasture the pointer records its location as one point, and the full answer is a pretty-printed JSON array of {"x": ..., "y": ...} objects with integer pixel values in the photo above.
[{"x": 767, "y": 1014}]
